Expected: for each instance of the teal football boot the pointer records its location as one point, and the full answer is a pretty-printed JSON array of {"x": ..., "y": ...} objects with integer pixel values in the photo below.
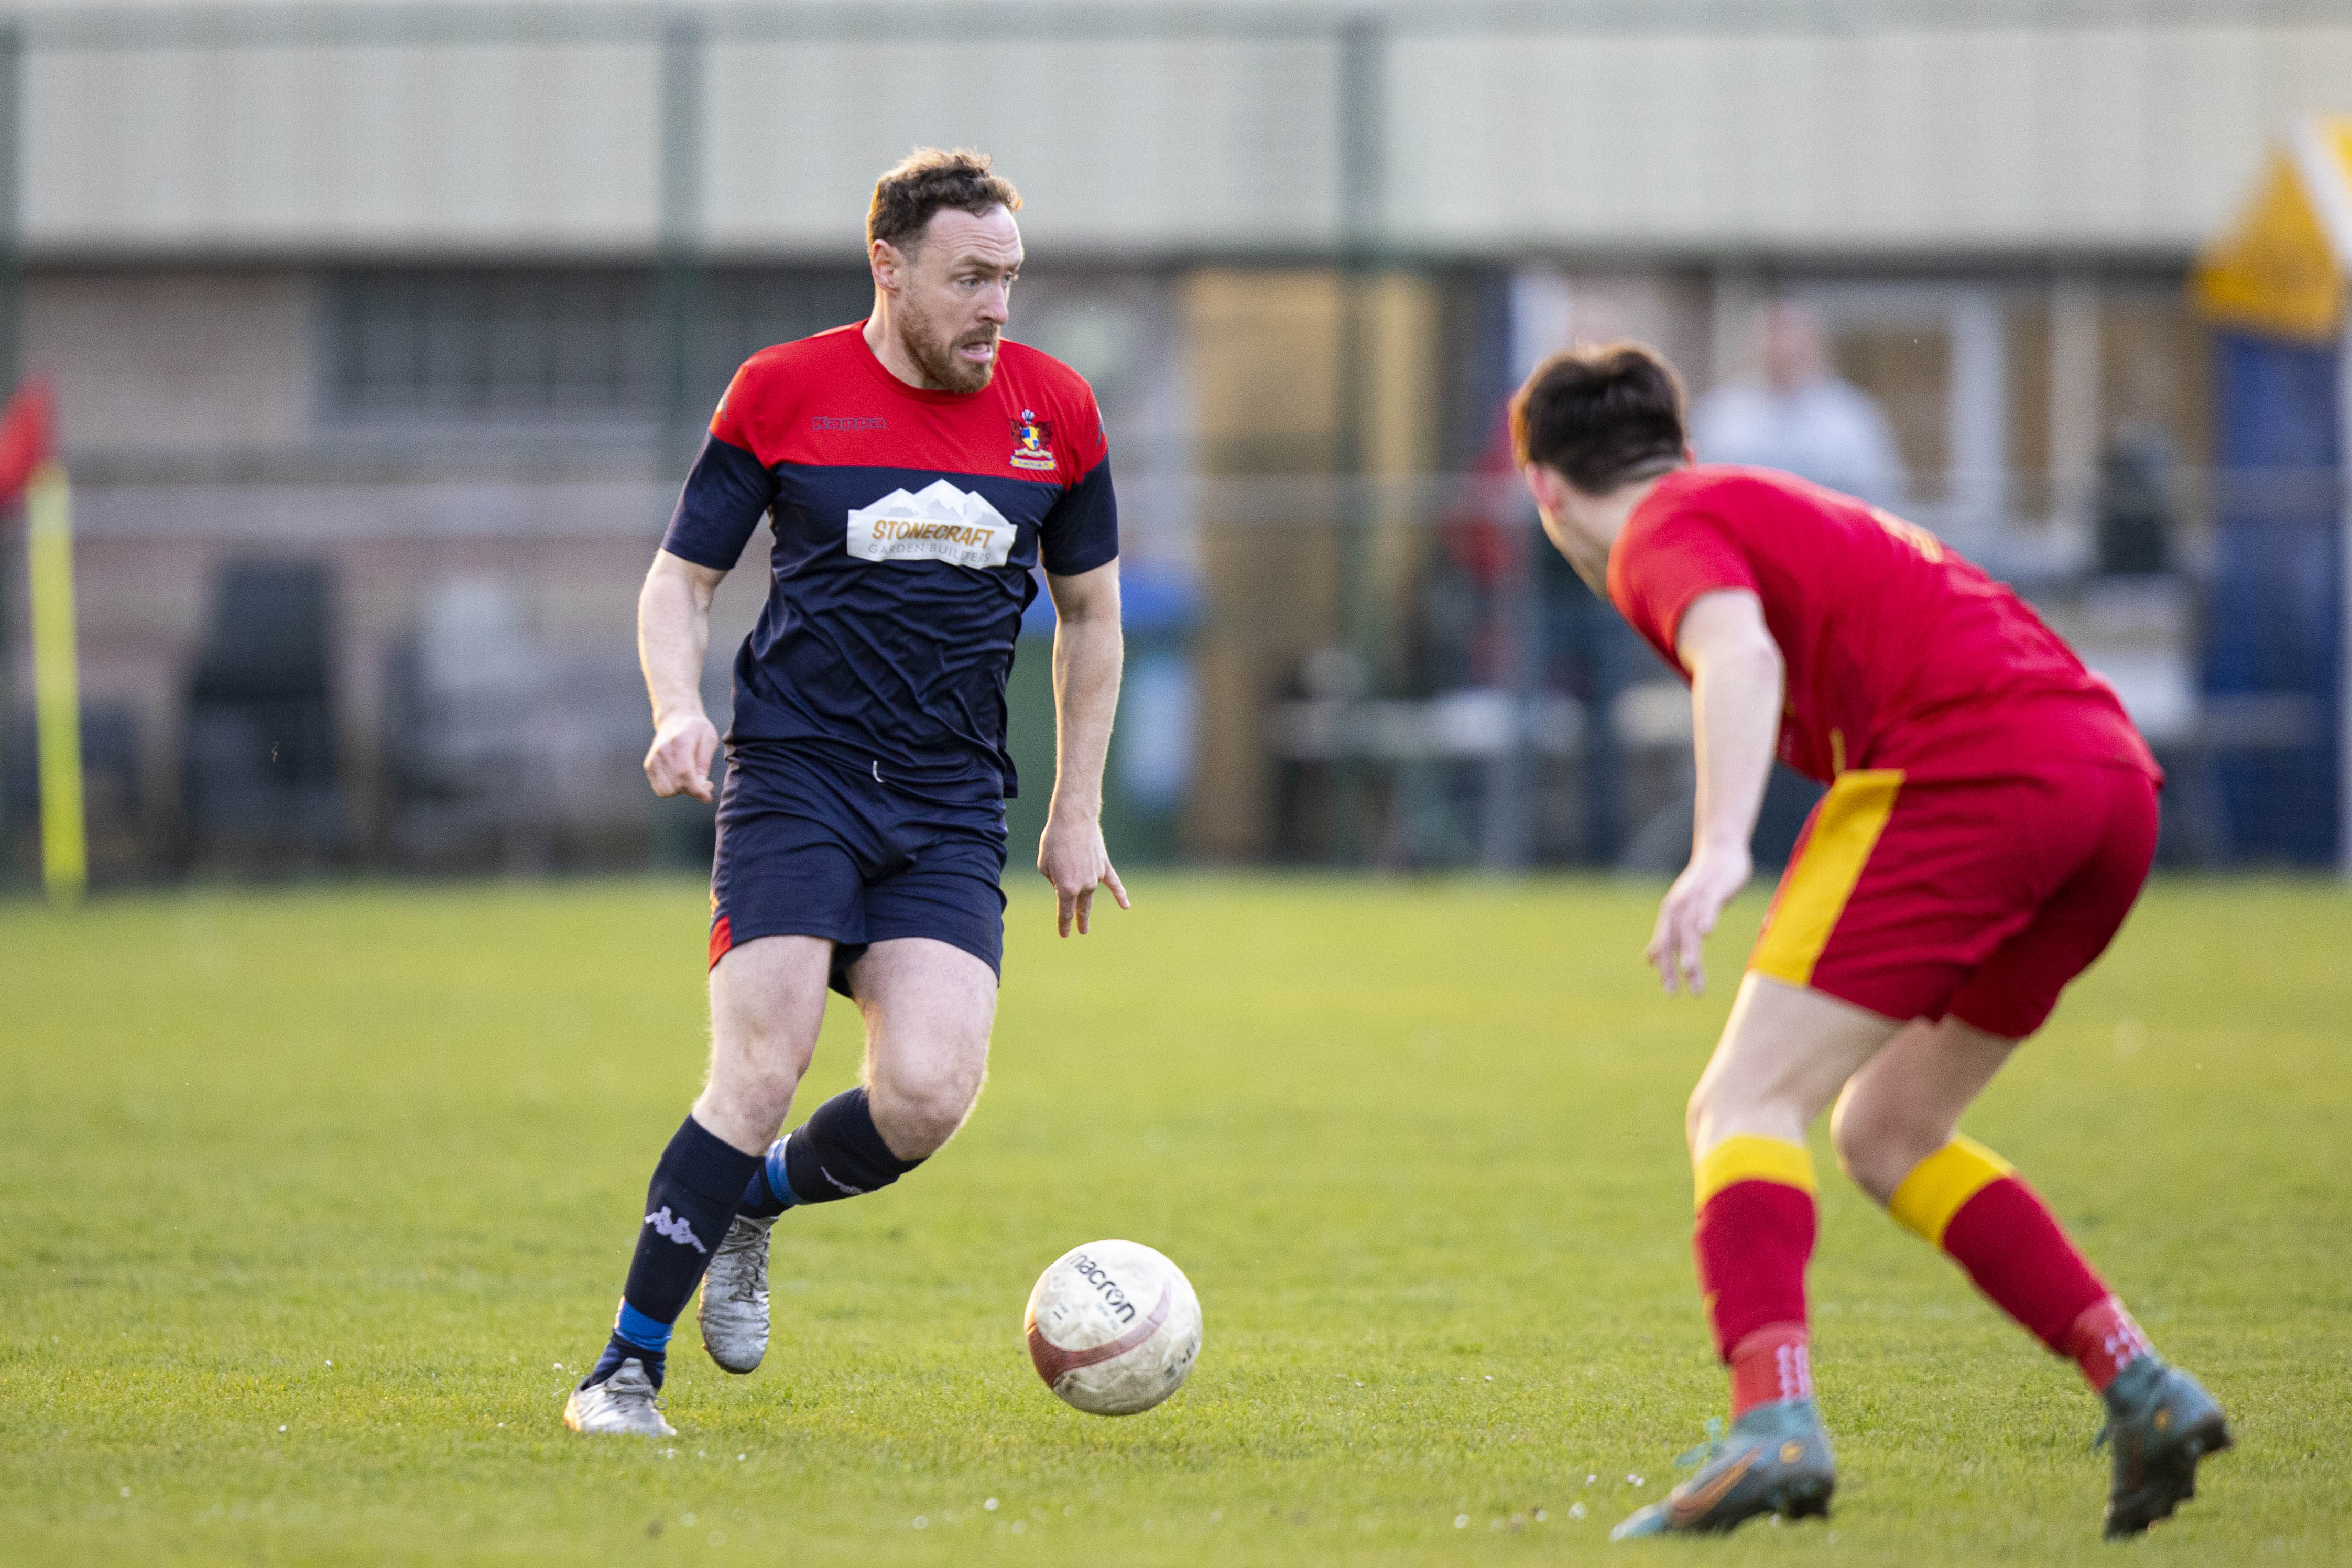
[
  {"x": 1775, "y": 1459},
  {"x": 2160, "y": 1422}
]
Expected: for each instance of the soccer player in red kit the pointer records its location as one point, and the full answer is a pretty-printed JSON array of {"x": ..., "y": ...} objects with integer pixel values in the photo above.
[{"x": 1991, "y": 814}]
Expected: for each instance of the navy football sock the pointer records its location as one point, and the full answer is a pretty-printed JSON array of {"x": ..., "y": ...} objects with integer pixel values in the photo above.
[
  {"x": 767, "y": 1195},
  {"x": 689, "y": 1207},
  {"x": 618, "y": 1350},
  {"x": 837, "y": 1153},
  {"x": 841, "y": 1138}
]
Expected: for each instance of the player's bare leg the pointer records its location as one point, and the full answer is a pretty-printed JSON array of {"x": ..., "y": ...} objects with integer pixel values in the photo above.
[
  {"x": 1896, "y": 1133},
  {"x": 1908, "y": 1101},
  {"x": 928, "y": 1007},
  {"x": 1785, "y": 1052},
  {"x": 767, "y": 1005}
]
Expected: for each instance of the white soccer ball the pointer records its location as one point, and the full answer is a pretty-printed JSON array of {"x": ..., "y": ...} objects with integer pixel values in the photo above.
[{"x": 1113, "y": 1327}]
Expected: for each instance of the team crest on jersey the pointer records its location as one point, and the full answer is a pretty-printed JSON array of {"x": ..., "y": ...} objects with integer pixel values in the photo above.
[{"x": 1032, "y": 442}]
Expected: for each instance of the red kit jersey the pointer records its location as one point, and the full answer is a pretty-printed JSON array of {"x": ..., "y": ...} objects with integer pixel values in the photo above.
[
  {"x": 1900, "y": 654},
  {"x": 908, "y": 524}
]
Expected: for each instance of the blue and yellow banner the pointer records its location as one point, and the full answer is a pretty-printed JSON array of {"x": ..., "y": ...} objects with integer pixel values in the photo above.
[{"x": 2281, "y": 270}]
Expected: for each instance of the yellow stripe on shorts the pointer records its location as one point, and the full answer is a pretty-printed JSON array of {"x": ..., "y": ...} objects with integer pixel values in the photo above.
[
  {"x": 1941, "y": 1184},
  {"x": 1853, "y": 814},
  {"x": 1750, "y": 1157}
]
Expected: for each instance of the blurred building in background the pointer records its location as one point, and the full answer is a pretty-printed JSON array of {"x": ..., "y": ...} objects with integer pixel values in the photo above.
[{"x": 383, "y": 334}]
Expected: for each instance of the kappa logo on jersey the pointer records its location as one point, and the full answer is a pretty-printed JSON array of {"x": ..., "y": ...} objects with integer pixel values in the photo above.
[
  {"x": 939, "y": 522},
  {"x": 1032, "y": 442},
  {"x": 669, "y": 1227}
]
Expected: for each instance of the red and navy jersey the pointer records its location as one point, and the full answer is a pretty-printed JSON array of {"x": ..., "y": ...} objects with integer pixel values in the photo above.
[{"x": 908, "y": 524}]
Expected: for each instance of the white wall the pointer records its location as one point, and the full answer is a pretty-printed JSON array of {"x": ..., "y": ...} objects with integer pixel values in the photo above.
[
  {"x": 1169, "y": 146},
  {"x": 1874, "y": 139},
  {"x": 354, "y": 147},
  {"x": 1882, "y": 135}
]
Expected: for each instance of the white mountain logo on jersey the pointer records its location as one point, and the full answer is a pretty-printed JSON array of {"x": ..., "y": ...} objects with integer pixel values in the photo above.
[
  {"x": 940, "y": 523},
  {"x": 670, "y": 1227}
]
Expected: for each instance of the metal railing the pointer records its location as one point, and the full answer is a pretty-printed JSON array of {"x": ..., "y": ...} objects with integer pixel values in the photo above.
[{"x": 1486, "y": 711}]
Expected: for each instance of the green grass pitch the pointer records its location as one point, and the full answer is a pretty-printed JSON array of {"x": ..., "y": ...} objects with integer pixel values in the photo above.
[{"x": 305, "y": 1195}]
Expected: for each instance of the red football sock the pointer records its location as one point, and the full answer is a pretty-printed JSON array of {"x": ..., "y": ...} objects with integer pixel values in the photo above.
[
  {"x": 2104, "y": 1341},
  {"x": 1968, "y": 1201},
  {"x": 1772, "y": 1364},
  {"x": 1754, "y": 1237}
]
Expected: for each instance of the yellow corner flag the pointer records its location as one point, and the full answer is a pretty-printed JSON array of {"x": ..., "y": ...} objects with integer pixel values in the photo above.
[{"x": 57, "y": 684}]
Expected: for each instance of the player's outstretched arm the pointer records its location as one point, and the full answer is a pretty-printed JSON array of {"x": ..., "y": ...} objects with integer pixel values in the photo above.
[
  {"x": 673, "y": 633},
  {"x": 1087, "y": 655},
  {"x": 1737, "y": 675}
]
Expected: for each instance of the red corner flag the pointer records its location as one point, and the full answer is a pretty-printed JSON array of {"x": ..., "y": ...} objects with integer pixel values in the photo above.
[{"x": 28, "y": 436}]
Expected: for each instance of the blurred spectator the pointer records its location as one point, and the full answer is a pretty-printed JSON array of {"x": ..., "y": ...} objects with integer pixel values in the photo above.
[{"x": 1800, "y": 417}]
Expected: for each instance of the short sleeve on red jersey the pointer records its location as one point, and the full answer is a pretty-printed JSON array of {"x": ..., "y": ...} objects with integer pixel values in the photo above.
[
  {"x": 1081, "y": 532},
  {"x": 1662, "y": 564}
]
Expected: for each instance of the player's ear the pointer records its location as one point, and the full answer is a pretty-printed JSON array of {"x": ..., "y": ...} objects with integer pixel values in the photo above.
[
  {"x": 887, "y": 263},
  {"x": 1540, "y": 484}
]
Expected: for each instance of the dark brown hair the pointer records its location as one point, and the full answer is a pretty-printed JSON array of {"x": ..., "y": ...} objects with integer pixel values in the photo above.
[
  {"x": 1601, "y": 416},
  {"x": 929, "y": 180}
]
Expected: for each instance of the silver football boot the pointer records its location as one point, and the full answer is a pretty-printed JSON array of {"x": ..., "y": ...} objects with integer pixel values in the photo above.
[
  {"x": 734, "y": 1308},
  {"x": 625, "y": 1403}
]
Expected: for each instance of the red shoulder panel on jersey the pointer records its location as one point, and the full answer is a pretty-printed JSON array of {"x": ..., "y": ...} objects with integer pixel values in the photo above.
[{"x": 827, "y": 401}]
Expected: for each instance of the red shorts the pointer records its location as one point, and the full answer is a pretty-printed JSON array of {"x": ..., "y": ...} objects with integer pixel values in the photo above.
[{"x": 1980, "y": 899}]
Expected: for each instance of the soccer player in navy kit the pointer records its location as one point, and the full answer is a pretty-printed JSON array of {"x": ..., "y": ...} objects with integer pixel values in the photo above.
[{"x": 917, "y": 468}]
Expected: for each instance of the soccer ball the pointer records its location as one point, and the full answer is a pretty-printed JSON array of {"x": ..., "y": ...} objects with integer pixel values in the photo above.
[{"x": 1113, "y": 1327}]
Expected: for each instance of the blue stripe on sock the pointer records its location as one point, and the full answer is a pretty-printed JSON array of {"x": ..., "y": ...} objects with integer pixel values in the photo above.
[
  {"x": 641, "y": 1330},
  {"x": 778, "y": 1182}
]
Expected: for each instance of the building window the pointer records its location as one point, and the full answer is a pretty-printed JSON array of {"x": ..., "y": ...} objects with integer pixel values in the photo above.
[{"x": 552, "y": 344}]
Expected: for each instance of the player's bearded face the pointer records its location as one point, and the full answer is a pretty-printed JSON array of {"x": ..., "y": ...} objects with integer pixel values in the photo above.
[
  {"x": 943, "y": 347},
  {"x": 955, "y": 290}
]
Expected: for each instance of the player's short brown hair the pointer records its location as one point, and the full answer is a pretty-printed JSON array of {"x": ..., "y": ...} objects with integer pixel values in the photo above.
[
  {"x": 930, "y": 180},
  {"x": 1603, "y": 417}
]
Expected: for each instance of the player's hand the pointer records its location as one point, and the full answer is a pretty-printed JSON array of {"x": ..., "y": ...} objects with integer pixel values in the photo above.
[
  {"x": 1071, "y": 856},
  {"x": 1714, "y": 877},
  {"x": 679, "y": 762}
]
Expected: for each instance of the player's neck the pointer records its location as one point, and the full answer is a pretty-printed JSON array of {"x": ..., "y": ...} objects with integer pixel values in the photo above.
[
  {"x": 1594, "y": 524},
  {"x": 882, "y": 337}
]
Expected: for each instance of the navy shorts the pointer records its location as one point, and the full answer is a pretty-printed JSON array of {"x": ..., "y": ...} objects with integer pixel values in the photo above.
[{"x": 807, "y": 847}]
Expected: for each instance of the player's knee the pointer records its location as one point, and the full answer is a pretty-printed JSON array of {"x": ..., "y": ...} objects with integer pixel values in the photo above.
[
  {"x": 917, "y": 1127},
  {"x": 1878, "y": 1145},
  {"x": 1847, "y": 1138},
  {"x": 1695, "y": 1113},
  {"x": 1713, "y": 1108},
  {"x": 754, "y": 1087},
  {"x": 770, "y": 1085},
  {"x": 917, "y": 1112}
]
